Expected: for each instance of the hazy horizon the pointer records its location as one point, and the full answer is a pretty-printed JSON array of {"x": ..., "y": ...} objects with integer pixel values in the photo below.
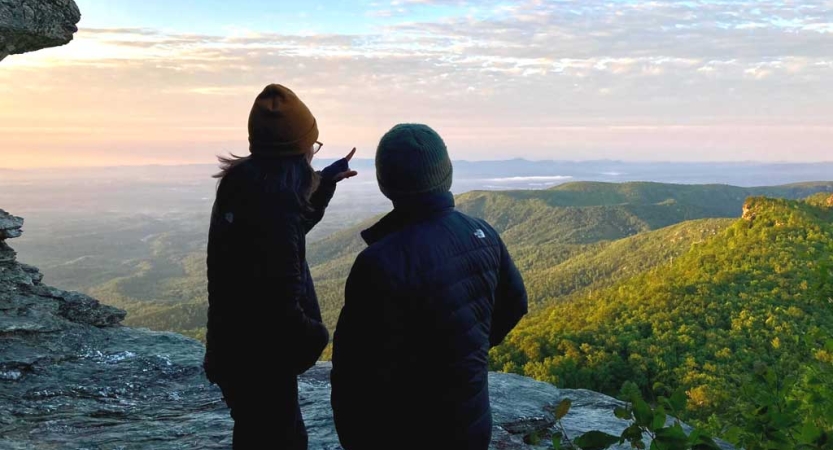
[
  {"x": 365, "y": 161},
  {"x": 172, "y": 82}
]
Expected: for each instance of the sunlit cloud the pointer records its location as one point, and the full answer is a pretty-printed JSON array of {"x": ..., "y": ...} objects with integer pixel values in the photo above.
[{"x": 619, "y": 75}]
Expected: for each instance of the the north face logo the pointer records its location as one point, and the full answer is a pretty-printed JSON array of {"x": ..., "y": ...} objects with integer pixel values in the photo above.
[{"x": 480, "y": 234}]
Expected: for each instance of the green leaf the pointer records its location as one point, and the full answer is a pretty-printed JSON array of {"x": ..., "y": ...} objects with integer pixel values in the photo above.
[
  {"x": 678, "y": 401},
  {"x": 781, "y": 420},
  {"x": 658, "y": 388},
  {"x": 563, "y": 408},
  {"x": 694, "y": 435},
  {"x": 556, "y": 440},
  {"x": 762, "y": 411},
  {"x": 659, "y": 419},
  {"x": 622, "y": 413},
  {"x": 632, "y": 433},
  {"x": 532, "y": 438},
  {"x": 673, "y": 437},
  {"x": 643, "y": 413},
  {"x": 809, "y": 433},
  {"x": 733, "y": 435},
  {"x": 596, "y": 440},
  {"x": 698, "y": 440},
  {"x": 771, "y": 377}
]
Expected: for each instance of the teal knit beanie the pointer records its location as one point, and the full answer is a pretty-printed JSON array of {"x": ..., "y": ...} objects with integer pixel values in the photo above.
[{"x": 412, "y": 160}]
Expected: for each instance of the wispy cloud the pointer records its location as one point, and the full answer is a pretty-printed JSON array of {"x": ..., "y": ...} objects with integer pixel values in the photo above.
[
  {"x": 123, "y": 31},
  {"x": 390, "y": 12},
  {"x": 537, "y": 63}
]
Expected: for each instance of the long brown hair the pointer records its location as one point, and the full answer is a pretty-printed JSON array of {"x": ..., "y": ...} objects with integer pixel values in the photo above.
[
  {"x": 292, "y": 175},
  {"x": 229, "y": 162}
]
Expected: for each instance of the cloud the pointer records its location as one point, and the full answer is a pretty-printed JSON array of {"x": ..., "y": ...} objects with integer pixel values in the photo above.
[
  {"x": 122, "y": 31},
  {"x": 525, "y": 64},
  {"x": 387, "y": 12},
  {"x": 441, "y": 2},
  {"x": 593, "y": 42}
]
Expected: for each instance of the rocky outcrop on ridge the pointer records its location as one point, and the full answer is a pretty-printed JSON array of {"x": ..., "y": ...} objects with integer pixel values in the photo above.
[{"x": 29, "y": 25}]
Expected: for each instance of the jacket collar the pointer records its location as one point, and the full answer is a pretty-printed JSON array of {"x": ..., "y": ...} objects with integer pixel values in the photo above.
[{"x": 406, "y": 212}]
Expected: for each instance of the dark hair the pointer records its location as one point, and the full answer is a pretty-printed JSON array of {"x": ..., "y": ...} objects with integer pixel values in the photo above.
[
  {"x": 229, "y": 162},
  {"x": 289, "y": 175}
]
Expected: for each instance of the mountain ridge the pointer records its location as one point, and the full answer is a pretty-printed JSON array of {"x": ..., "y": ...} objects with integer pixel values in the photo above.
[
  {"x": 737, "y": 301},
  {"x": 539, "y": 235}
]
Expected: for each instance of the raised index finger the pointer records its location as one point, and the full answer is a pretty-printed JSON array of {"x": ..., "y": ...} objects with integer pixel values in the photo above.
[{"x": 350, "y": 156}]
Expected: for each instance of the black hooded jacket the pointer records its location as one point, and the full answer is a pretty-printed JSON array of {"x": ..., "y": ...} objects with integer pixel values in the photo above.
[
  {"x": 433, "y": 292},
  {"x": 263, "y": 312}
]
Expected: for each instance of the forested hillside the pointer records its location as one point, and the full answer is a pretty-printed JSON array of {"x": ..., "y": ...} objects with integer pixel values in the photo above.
[{"x": 757, "y": 296}]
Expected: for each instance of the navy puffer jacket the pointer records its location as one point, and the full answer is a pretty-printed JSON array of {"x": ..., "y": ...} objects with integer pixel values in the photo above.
[
  {"x": 263, "y": 312},
  {"x": 433, "y": 292}
]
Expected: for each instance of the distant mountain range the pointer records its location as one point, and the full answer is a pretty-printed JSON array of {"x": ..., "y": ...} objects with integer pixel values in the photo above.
[
  {"x": 500, "y": 172},
  {"x": 565, "y": 238}
]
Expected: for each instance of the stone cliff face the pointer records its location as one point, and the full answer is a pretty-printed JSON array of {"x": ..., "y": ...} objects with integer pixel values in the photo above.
[
  {"x": 749, "y": 210},
  {"x": 72, "y": 377},
  {"x": 29, "y": 25}
]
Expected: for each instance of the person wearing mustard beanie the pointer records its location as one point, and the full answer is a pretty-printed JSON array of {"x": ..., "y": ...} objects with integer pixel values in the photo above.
[
  {"x": 264, "y": 321},
  {"x": 434, "y": 290},
  {"x": 280, "y": 124}
]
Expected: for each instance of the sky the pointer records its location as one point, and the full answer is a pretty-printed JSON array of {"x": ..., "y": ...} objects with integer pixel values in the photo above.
[{"x": 172, "y": 82}]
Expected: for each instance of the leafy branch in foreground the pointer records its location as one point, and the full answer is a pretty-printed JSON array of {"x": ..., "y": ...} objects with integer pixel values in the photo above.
[
  {"x": 645, "y": 421},
  {"x": 772, "y": 417}
]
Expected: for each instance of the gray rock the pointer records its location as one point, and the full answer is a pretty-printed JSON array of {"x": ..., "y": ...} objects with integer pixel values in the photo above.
[
  {"x": 82, "y": 309},
  {"x": 7, "y": 255},
  {"x": 29, "y": 25},
  {"x": 14, "y": 276},
  {"x": 9, "y": 225},
  {"x": 33, "y": 272}
]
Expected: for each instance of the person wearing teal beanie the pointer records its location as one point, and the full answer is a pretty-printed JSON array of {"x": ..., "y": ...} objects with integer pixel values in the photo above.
[
  {"x": 412, "y": 160},
  {"x": 432, "y": 293}
]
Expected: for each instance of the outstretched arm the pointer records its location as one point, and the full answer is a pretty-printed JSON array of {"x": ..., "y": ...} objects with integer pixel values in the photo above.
[{"x": 320, "y": 199}]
